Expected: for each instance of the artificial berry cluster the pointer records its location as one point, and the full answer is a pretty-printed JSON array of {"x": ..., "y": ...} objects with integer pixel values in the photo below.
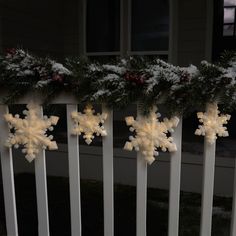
[
  {"x": 185, "y": 77},
  {"x": 136, "y": 78}
]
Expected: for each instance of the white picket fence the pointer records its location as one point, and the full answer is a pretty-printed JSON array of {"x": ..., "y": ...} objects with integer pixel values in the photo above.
[{"x": 74, "y": 176}]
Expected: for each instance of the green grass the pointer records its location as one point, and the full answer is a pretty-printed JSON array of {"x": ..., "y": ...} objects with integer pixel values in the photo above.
[{"x": 125, "y": 208}]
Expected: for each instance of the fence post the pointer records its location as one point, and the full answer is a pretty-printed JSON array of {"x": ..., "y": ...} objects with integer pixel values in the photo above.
[
  {"x": 141, "y": 220},
  {"x": 207, "y": 188},
  {"x": 175, "y": 174},
  {"x": 74, "y": 174},
  {"x": 41, "y": 191},
  {"x": 141, "y": 195},
  {"x": 8, "y": 177},
  {"x": 108, "y": 191}
]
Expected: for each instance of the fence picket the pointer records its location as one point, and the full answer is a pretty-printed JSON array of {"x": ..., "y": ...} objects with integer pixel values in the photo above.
[
  {"x": 207, "y": 188},
  {"x": 141, "y": 211},
  {"x": 41, "y": 191},
  {"x": 108, "y": 191},
  {"x": 8, "y": 177},
  {"x": 141, "y": 194},
  {"x": 175, "y": 174},
  {"x": 74, "y": 175},
  {"x": 233, "y": 217}
]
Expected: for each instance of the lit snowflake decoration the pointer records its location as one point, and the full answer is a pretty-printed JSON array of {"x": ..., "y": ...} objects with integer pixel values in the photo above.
[
  {"x": 88, "y": 124},
  {"x": 212, "y": 123},
  {"x": 31, "y": 131},
  {"x": 151, "y": 134}
]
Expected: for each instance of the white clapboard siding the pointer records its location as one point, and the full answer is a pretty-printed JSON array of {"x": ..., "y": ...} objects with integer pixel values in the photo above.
[
  {"x": 141, "y": 194},
  {"x": 175, "y": 174},
  {"x": 207, "y": 188},
  {"x": 74, "y": 174},
  {"x": 41, "y": 191},
  {"x": 108, "y": 190},
  {"x": 233, "y": 217},
  {"x": 8, "y": 177}
]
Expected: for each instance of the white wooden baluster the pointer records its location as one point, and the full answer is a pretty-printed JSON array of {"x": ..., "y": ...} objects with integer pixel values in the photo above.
[
  {"x": 141, "y": 207},
  {"x": 207, "y": 188},
  {"x": 108, "y": 192},
  {"x": 141, "y": 195},
  {"x": 8, "y": 177},
  {"x": 41, "y": 191},
  {"x": 233, "y": 217},
  {"x": 175, "y": 173},
  {"x": 74, "y": 174}
]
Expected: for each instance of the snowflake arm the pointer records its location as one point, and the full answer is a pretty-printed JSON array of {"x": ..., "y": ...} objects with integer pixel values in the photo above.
[
  {"x": 88, "y": 124},
  {"x": 151, "y": 134},
  {"x": 31, "y": 131},
  {"x": 212, "y": 123}
]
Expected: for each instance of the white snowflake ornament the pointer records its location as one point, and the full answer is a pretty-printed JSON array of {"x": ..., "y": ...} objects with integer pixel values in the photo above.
[
  {"x": 151, "y": 134},
  {"x": 88, "y": 123},
  {"x": 31, "y": 131},
  {"x": 212, "y": 123}
]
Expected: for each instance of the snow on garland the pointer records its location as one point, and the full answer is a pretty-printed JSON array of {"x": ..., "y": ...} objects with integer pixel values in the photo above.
[
  {"x": 31, "y": 131},
  {"x": 119, "y": 84},
  {"x": 122, "y": 82}
]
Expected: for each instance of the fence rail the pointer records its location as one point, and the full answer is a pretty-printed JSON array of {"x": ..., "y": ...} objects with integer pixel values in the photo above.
[{"x": 74, "y": 177}]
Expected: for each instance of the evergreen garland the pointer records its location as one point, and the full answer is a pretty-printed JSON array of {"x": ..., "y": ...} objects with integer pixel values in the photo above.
[{"x": 122, "y": 82}]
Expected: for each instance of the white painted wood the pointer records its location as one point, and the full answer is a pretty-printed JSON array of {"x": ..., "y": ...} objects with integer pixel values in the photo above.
[
  {"x": 8, "y": 177},
  {"x": 233, "y": 217},
  {"x": 141, "y": 208},
  {"x": 62, "y": 98},
  {"x": 141, "y": 194},
  {"x": 108, "y": 191},
  {"x": 41, "y": 191},
  {"x": 207, "y": 188},
  {"x": 175, "y": 174},
  {"x": 74, "y": 175}
]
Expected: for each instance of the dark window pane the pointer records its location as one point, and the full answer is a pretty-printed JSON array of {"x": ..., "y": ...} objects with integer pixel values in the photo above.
[
  {"x": 228, "y": 30},
  {"x": 229, "y": 2},
  {"x": 103, "y": 25},
  {"x": 37, "y": 26},
  {"x": 150, "y": 25},
  {"x": 71, "y": 27},
  {"x": 225, "y": 147}
]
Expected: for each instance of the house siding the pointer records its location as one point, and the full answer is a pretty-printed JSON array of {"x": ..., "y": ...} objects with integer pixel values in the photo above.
[
  {"x": 37, "y": 26},
  {"x": 192, "y": 31}
]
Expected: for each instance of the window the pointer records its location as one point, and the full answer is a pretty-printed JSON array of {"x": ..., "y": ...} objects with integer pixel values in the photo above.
[
  {"x": 95, "y": 28},
  {"x": 133, "y": 27},
  {"x": 102, "y": 26},
  {"x": 150, "y": 25},
  {"x": 224, "y": 30},
  {"x": 229, "y": 26}
]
